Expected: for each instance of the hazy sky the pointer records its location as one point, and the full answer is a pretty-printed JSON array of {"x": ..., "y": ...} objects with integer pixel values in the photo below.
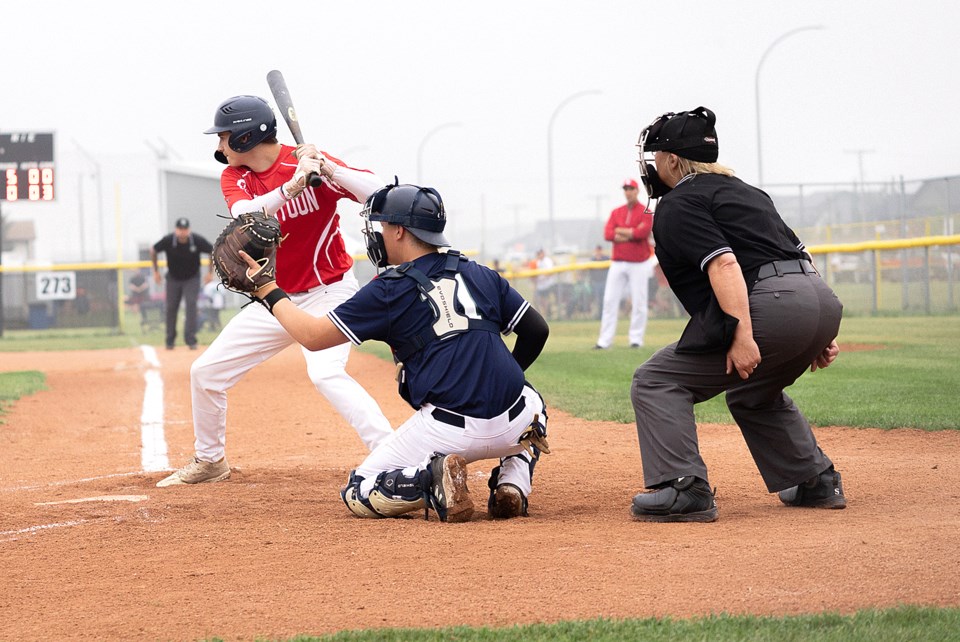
[{"x": 372, "y": 79}]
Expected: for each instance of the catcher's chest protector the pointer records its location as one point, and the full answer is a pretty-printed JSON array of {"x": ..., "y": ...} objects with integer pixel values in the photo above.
[{"x": 443, "y": 297}]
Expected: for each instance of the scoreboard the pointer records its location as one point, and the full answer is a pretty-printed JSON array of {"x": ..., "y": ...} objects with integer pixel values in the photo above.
[{"x": 27, "y": 170}]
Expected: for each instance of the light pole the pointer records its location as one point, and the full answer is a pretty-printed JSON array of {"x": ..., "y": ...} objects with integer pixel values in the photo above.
[
  {"x": 553, "y": 117},
  {"x": 96, "y": 166},
  {"x": 756, "y": 90},
  {"x": 424, "y": 142}
]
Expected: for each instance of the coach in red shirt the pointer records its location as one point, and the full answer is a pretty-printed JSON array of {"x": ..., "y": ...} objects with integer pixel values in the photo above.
[{"x": 628, "y": 228}]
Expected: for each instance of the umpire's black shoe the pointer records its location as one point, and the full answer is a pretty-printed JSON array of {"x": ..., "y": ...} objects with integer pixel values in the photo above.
[
  {"x": 687, "y": 499},
  {"x": 823, "y": 491}
]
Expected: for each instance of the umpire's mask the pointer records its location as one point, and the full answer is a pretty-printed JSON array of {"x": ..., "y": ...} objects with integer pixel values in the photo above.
[{"x": 689, "y": 134}]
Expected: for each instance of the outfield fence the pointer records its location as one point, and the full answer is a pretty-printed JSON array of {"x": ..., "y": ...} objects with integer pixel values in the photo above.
[
  {"x": 913, "y": 276},
  {"x": 897, "y": 276}
]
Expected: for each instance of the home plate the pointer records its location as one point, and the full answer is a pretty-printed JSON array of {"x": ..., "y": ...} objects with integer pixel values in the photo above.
[{"x": 101, "y": 498}]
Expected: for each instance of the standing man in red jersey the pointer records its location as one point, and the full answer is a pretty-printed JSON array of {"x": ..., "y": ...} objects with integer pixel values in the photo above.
[
  {"x": 628, "y": 228},
  {"x": 313, "y": 266}
]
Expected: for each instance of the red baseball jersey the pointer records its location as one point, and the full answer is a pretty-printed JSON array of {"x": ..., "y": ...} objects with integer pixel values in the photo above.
[
  {"x": 313, "y": 252},
  {"x": 640, "y": 219}
]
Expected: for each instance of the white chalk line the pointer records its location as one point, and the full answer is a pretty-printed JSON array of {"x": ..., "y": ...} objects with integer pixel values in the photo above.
[
  {"x": 41, "y": 527},
  {"x": 153, "y": 454},
  {"x": 71, "y": 482},
  {"x": 98, "y": 498}
]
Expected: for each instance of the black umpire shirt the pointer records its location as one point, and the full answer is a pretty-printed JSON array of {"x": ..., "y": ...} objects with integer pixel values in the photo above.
[
  {"x": 183, "y": 259},
  {"x": 706, "y": 215}
]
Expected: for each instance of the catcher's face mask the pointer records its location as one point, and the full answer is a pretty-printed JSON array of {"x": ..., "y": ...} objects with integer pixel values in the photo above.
[
  {"x": 648, "y": 172},
  {"x": 376, "y": 248}
]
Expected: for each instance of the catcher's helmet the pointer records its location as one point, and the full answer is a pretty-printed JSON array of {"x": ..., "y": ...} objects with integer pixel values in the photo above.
[
  {"x": 249, "y": 119},
  {"x": 418, "y": 209}
]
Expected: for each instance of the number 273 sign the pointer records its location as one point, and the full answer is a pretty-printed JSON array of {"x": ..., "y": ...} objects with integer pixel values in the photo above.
[{"x": 56, "y": 285}]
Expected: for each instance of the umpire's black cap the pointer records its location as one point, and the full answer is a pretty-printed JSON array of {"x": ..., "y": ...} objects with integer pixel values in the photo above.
[
  {"x": 418, "y": 209},
  {"x": 690, "y": 134}
]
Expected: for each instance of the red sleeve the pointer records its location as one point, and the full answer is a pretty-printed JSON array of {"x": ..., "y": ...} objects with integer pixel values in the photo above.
[
  {"x": 230, "y": 184},
  {"x": 611, "y": 224}
]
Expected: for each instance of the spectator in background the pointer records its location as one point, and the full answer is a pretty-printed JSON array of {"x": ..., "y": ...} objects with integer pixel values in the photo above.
[
  {"x": 598, "y": 279},
  {"x": 628, "y": 228},
  {"x": 183, "y": 249},
  {"x": 211, "y": 302},
  {"x": 139, "y": 294},
  {"x": 545, "y": 283}
]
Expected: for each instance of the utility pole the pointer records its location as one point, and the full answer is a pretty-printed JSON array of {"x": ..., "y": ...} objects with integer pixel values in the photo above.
[{"x": 860, "y": 153}]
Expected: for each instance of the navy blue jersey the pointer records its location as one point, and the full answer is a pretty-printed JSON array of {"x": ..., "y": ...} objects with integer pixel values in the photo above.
[{"x": 471, "y": 373}]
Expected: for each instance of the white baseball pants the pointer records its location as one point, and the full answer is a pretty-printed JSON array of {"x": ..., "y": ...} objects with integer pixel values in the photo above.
[
  {"x": 636, "y": 277},
  {"x": 418, "y": 438},
  {"x": 252, "y": 337}
]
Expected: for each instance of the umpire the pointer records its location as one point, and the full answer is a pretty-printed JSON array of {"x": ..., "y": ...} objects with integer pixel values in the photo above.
[
  {"x": 183, "y": 249},
  {"x": 760, "y": 316}
]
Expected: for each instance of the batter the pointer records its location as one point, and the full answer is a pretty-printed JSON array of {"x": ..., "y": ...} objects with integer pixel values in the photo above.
[{"x": 312, "y": 265}]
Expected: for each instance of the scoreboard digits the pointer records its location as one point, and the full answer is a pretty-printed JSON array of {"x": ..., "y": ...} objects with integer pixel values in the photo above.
[{"x": 27, "y": 171}]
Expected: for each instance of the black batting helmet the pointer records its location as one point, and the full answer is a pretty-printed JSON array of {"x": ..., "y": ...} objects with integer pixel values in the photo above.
[{"x": 249, "y": 119}]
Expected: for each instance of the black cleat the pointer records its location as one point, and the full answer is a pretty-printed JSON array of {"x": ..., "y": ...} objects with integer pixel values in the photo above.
[
  {"x": 687, "y": 499},
  {"x": 823, "y": 491}
]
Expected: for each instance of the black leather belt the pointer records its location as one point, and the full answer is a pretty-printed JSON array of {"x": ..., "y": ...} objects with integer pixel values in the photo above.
[
  {"x": 779, "y": 268},
  {"x": 453, "y": 419}
]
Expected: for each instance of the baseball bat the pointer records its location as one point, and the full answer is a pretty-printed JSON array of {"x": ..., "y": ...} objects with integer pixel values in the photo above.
[{"x": 278, "y": 87}]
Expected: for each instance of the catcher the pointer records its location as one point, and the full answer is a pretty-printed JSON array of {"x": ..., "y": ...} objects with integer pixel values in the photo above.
[{"x": 442, "y": 315}]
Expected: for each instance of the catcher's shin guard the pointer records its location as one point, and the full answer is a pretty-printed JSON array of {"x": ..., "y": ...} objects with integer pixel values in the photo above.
[{"x": 394, "y": 493}]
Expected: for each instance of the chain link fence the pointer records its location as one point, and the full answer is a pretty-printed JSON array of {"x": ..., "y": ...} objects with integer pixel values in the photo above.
[{"x": 885, "y": 247}]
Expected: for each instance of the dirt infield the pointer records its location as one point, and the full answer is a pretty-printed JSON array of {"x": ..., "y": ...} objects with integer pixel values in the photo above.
[{"x": 273, "y": 552}]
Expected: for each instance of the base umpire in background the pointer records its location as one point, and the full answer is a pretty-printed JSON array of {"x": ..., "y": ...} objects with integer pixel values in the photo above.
[
  {"x": 760, "y": 316},
  {"x": 183, "y": 249}
]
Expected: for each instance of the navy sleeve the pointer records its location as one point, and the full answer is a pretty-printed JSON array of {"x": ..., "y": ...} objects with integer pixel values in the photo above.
[{"x": 366, "y": 315}]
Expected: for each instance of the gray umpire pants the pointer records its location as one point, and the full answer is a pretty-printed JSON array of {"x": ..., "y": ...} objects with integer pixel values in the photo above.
[
  {"x": 189, "y": 291},
  {"x": 795, "y": 317}
]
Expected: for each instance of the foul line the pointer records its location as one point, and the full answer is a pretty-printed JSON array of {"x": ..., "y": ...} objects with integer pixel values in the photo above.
[
  {"x": 34, "y": 529},
  {"x": 153, "y": 455},
  {"x": 68, "y": 483}
]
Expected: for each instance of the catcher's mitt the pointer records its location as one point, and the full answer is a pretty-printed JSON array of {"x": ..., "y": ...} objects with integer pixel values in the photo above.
[{"x": 257, "y": 234}]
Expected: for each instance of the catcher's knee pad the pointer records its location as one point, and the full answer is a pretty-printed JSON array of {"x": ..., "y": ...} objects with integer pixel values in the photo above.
[
  {"x": 350, "y": 494},
  {"x": 394, "y": 493}
]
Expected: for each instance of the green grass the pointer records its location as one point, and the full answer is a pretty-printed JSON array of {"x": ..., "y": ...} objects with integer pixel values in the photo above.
[
  {"x": 14, "y": 385},
  {"x": 910, "y": 381},
  {"x": 890, "y": 625}
]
